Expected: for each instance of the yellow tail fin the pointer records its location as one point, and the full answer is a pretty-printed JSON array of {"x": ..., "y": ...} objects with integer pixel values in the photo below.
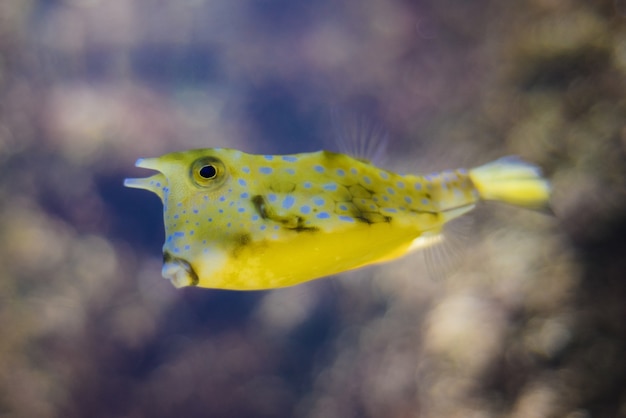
[{"x": 512, "y": 180}]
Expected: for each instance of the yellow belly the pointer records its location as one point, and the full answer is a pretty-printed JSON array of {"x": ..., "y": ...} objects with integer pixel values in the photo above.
[{"x": 305, "y": 256}]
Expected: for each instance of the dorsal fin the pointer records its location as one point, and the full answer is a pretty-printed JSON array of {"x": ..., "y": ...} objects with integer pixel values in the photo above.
[{"x": 359, "y": 133}]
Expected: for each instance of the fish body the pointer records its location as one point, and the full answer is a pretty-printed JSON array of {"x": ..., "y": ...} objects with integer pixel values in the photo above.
[{"x": 240, "y": 221}]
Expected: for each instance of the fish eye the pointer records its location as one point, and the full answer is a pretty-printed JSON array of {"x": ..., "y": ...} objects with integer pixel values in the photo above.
[{"x": 207, "y": 172}]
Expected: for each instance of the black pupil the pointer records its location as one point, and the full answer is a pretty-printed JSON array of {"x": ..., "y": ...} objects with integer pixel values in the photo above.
[{"x": 208, "y": 172}]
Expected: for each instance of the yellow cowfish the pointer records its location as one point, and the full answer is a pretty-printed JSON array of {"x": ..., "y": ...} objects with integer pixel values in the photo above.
[{"x": 241, "y": 221}]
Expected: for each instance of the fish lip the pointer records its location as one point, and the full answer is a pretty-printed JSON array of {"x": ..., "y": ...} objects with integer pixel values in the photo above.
[{"x": 179, "y": 271}]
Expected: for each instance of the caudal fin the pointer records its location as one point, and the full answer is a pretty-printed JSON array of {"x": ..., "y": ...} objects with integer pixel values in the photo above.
[{"x": 514, "y": 181}]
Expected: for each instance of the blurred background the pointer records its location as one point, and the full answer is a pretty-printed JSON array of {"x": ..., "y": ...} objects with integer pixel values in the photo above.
[{"x": 532, "y": 322}]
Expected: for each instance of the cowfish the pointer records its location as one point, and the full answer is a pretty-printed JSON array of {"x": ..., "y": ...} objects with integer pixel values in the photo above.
[{"x": 246, "y": 222}]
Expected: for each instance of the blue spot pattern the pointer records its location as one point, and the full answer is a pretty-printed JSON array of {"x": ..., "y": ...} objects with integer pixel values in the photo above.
[{"x": 288, "y": 201}]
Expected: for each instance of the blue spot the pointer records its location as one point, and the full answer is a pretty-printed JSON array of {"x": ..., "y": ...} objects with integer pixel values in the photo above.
[
  {"x": 170, "y": 238},
  {"x": 318, "y": 201},
  {"x": 424, "y": 201},
  {"x": 367, "y": 180},
  {"x": 197, "y": 223},
  {"x": 205, "y": 197},
  {"x": 385, "y": 198},
  {"x": 242, "y": 182},
  {"x": 340, "y": 172},
  {"x": 268, "y": 157},
  {"x": 192, "y": 232},
  {"x": 179, "y": 204},
  {"x": 346, "y": 218},
  {"x": 331, "y": 187},
  {"x": 228, "y": 225},
  {"x": 176, "y": 216},
  {"x": 206, "y": 251},
  {"x": 245, "y": 170},
  {"x": 230, "y": 205},
  {"x": 288, "y": 201},
  {"x": 307, "y": 184},
  {"x": 262, "y": 227},
  {"x": 289, "y": 158},
  {"x": 187, "y": 247},
  {"x": 353, "y": 170},
  {"x": 290, "y": 171},
  {"x": 195, "y": 211},
  {"x": 176, "y": 249},
  {"x": 390, "y": 190},
  {"x": 323, "y": 215},
  {"x": 305, "y": 209},
  {"x": 418, "y": 186},
  {"x": 383, "y": 175},
  {"x": 158, "y": 184},
  {"x": 407, "y": 199},
  {"x": 220, "y": 210},
  {"x": 271, "y": 197},
  {"x": 343, "y": 207},
  {"x": 400, "y": 184},
  {"x": 222, "y": 198},
  {"x": 462, "y": 171},
  {"x": 179, "y": 234},
  {"x": 243, "y": 195},
  {"x": 184, "y": 212},
  {"x": 319, "y": 168},
  {"x": 390, "y": 210},
  {"x": 241, "y": 210},
  {"x": 255, "y": 217},
  {"x": 203, "y": 241},
  {"x": 265, "y": 170},
  {"x": 210, "y": 219}
]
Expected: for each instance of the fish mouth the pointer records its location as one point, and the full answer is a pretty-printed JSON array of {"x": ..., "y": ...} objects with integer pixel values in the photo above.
[
  {"x": 178, "y": 271},
  {"x": 155, "y": 183}
]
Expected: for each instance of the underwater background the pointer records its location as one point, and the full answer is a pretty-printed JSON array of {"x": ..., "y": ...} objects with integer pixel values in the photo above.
[{"x": 531, "y": 323}]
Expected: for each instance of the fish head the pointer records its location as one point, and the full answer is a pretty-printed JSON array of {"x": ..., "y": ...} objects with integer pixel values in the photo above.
[{"x": 202, "y": 192}]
